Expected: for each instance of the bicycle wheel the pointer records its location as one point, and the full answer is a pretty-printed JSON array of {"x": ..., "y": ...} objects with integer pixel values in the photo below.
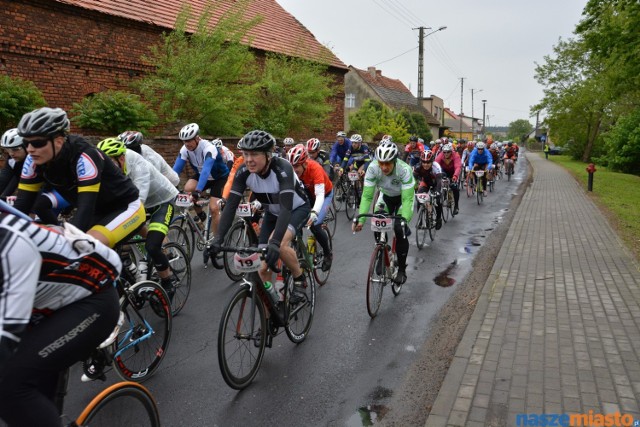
[
  {"x": 144, "y": 338},
  {"x": 509, "y": 172},
  {"x": 340, "y": 196},
  {"x": 122, "y": 404},
  {"x": 445, "y": 205},
  {"x": 300, "y": 303},
  {"x": 351, "y": 203},
  {"x": 431, "y": 220},
  {"x": 177, "y": 234},
  {"x": 180, "y": 266},
  {"x": 421, "y": 227},
  {"x": 470, "y": 187},
  {"x": 238, "y": 237},
  {"x": 376, "y": 280},
  {"x": 451, "y": 203},
  {"x": 395, "y": 287},
  {"x": 330, "y": 219},
  {"x": 479, "y": 192},
  {"x": 242, "y": 338},
  {"x": 182, "y": 222},
  {"x": 321, "y": 276}
]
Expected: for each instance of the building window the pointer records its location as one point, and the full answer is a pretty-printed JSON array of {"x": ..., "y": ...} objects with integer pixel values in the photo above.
[{"x": 350, "y": 100}]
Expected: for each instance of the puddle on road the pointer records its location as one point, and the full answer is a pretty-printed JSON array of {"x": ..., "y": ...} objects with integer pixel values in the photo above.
[
  {"x": 369, "y": 415},
  {"x": 444, "y": 279},
  {"x": 471, "y": 243}
]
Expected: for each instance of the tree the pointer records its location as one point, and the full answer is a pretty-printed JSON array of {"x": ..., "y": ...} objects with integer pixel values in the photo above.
[
  {"x": 17, "y": 97},
  {"x": 208, "y": 76},
  {"x": 374, "y": 118},
  {"x": 519, "y": 129},
  {"x": 292, "y": 95},
  {"x": 417, "y": 124},
  {"x": 114, "y": 112},
  {"x": 623, "y": 144}
]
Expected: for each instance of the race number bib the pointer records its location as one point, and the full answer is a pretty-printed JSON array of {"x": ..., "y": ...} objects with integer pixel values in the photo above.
[
  {"x": 244, "y": 210},
  {"x": 381, "y": 224},
  {"x": 11, "y": 200},
  {"x": 422, "y": 198},
  {"x": 183, "y": 200},
  {"x": 353, "y": 176},
  {"x": 247, "y": 264}
]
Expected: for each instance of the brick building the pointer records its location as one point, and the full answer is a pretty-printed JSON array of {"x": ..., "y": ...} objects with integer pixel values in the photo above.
[{"x": 74, "y": 48}]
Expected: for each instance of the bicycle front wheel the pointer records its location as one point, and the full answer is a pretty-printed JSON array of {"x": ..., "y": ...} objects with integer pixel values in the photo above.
[
  {"x": 479, "y": 190},
  {"x": 180, "y": 266},
  {"x": 431, "y": 223},
  {"x": 351, "y": 203},
  {"x": 376, "y": 280},
  {"x": 340, "y": 196},
  {"x": 330, "y": 219},
  {"x": 242, "y": 338},
  {"x": 301, "y": 303},
  {"x": 470, "y": 186},
  {"x": 445, "y": 205},
  {"x": 237, "y": 237},
  {"x": 179, "y": 235},
  {"x": 421, "y": 227},
  {"x": 318, "y": 258},
  {"x": 122, "y": 404},
  {"x": 144, "y": 338}
]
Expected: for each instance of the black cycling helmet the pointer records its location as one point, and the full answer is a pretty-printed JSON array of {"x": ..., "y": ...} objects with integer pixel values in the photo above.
[
  {"x": 413, "y": 138},
  {"x": 257, "y": 140},
  {"x": 44, "y": 121}
]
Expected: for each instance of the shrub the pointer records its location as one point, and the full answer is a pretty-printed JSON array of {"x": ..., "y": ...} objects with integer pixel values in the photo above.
[{"x": 17, "y": 97}]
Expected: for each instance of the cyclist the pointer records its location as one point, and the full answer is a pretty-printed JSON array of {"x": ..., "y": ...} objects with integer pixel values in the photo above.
[
  {"x": 10, "y": 174},
  {"x": 338, "y": 151},
  {"x": 282, "y": 195},
  {"x": 451, "y": 166},
  {"x": 106, "y": 200},
  {"x": 320, "y": 191},
  {"x": 358, "y": 156},
  {"x": 211, "y": 171},
  {"x": 320, "y": 156},
  {"x": 288, "y": 144},
  {"x": 429, "y": 174},
  {"x": 57, "y": 304},
  {"x": 395, "y": 180},
  {"x": 133, "y": 141},
  {"x": 227, "y": 154},
  {"x": 413, "y": 150},
  {"x": 157, "y": 194},
  {"x": 510, "y": 156},
  {"x": 480, "y": 159}
]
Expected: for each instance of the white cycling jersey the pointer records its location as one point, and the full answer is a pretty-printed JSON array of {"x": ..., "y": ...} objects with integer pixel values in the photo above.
[
  {"x": 154, "y": 188},
  {"x": 159, "y": 163},
  {"x": 197, "y": 157},
  {"x": 227, "y": 154}
]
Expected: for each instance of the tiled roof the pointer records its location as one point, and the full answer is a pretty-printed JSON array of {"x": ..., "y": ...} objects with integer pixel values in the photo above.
[
  {"x": 393, "y": 92},
  {"x": 278, "y": 32}
]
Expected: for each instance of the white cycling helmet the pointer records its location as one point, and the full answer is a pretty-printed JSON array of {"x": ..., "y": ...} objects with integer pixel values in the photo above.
[
  {"x": 447, "y": 148},
  {"x": 289, "y": 141},
  {"x": 11, "y": 139},
  {"x": 480, "y": 145},
  {"x": 189, "y": 132},
  {"x": 356, "y": 137},
  {"x": 387, "y": 151},
  {"x": 217, "y": 143},
  {"x": 341, "y": 134}
]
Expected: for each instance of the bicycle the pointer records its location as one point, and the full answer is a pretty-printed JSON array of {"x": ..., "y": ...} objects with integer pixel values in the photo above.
[
  {"x": 341, "y": 191},
  {"x": 251, "y": 319},
  {"x": 121, "y": 404},
  {"x": 353, "y": 192},
  {"x": 509, "y": 166},
  {"x": 330, "y": 220},
  {"x": 316, "y": 252},
  {"x": 199, "y": 235},
  {"x": 426, "y": 222},
  {"x": 479, "y": 188},
  {"x": 241, "y": 234},
  {"x": 448, "y": 201},
  {"x": 383, "y": 266}
]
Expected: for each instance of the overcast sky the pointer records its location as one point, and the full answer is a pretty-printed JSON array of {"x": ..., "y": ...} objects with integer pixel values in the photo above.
[{"x": 493, "y": 44}]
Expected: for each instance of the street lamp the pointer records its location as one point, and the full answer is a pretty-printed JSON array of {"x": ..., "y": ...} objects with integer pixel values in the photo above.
[
  {"x": 484, "y": 117},
  {"x": 421, "y": 37}
]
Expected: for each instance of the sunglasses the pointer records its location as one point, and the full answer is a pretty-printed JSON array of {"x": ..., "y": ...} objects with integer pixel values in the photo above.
[
  {"x": 427, "y": 162},
  {"x": 37, "y": 143}
]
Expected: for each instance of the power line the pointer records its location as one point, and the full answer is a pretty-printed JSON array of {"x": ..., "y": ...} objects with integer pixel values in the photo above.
[
  {"x": 406, "y": 12},
  {"x": 400, "y": 19},
  {"x": 397, "y": 56}
]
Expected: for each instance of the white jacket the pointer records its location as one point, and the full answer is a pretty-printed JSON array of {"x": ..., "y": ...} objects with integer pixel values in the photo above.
[
  {"x": 154, "y": 188},
  {"x": 159, "y": 163}
]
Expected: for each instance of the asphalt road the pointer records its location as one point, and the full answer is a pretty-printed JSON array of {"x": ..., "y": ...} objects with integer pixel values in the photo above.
[{"x": 349, "y": 366}]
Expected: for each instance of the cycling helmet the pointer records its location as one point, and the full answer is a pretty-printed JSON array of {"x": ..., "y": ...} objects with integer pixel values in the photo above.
[
  {"x": 341, "y": 134},
  {"x": 289, "y": 141},
  {"x": 189, "y": 132},
  {"x": 499, "y": 145},
  {"x": 480, "y": 145},
  {"x": 313, "y": 144},
  {"x": 112, "y": 147},
  {"x": 257, "y": 140},
  {"x": 217, "y": 143},
  {"x": 131, "y": 137},
  {"x": 432, "y": 143},
  {"x": 413, "y": 138},
  {"x": 297, "y": 155},
  {"x": 470, "y": 145},
  {"x": 387, "y": 138},
  {"x": 420, "y": 140},
  {"x": 426, "y": 156},
  {"x": 11, "y": 139},
  {"x": 438, "y": 141},
  {"x": 509, "y": 144},
  {"x": 447, "y": 148},
  {"x": 387, "y": 151},
  {"x": 356, "y": 137},
  {"x": 44, "y": 121}
]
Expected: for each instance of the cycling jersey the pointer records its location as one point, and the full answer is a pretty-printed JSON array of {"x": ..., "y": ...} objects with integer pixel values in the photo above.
[
  {"x": 495, "y": 156},
  {"x": 160, "y": 164},
  {"x": 360, "y": 156},
  {"x": 10, "y": 177},
  {"x": 453, "y": 167},
  {"x": 483, "y": 158},
  {"x": 278, "y": 190},
  {"x": 511, "y": 153},
  {"x": 412, "y": 154},
  {"x": 338, "y": 152},
  {"x": 154, "y": 188},
  {"x": 430, "y": 178},
  {"x": 206, "y": 160},
  {"x": 239, "y": 161},
  {"x": 399, "y": 183},
  {"x": 317, "y": 184},
  {"x": 83, "y": 177}
]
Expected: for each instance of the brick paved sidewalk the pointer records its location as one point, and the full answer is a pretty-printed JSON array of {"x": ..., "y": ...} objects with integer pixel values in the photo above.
[{"x": 557, "y": 326}]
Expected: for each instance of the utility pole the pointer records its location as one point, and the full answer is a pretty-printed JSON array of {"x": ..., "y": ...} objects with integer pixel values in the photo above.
[
  {"x": 484, "y": 117},
  {"x": 473, "y": 130},
  {"x": 421, "y": 37},
  {"x": 461, "y": 103}
]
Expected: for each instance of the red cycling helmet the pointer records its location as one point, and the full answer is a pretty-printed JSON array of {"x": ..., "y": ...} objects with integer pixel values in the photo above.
[
  {"x": 313, "y": 144},
  {"x": 297, "y": 155},
  {"x": 426, "y": 156}
]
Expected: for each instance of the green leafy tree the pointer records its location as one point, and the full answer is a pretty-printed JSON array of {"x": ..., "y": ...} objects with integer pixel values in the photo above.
[
  {"x": 113, "y": 112},
  {"x": 207, "y": 76},
  {"x": 292, "y": 95},
  {"x": 623, "y": 144},
  {"x": 417, "y": 124},
  {"x": 17, "y": 97},
  {"x": 373, "y": 118},
  {"x": 519, "y": 129}
]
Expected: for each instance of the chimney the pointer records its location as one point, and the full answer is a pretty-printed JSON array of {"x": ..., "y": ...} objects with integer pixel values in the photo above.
[
  {"x": 379, "y": 73},
  {"x": 373, "y": 71}
]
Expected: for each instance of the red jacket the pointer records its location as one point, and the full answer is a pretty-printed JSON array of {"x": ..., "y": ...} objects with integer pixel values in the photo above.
[{"x": 452, "y": 168}]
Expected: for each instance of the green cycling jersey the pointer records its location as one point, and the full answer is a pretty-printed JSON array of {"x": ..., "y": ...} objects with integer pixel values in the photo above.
[{"x": 399, "y": 182}]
